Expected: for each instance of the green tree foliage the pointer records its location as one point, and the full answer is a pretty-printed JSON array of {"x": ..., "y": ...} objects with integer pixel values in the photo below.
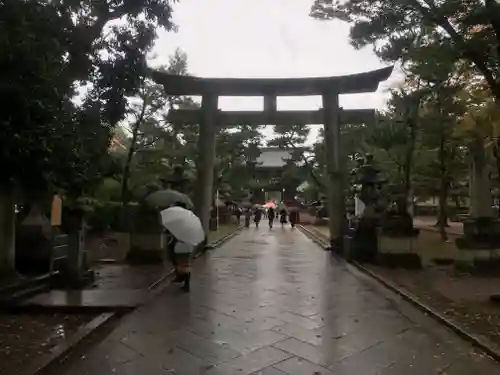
[
  {"x": 459, "y": 31},
  {"x": 52, "y": 51},
  {"x": 151, "y": 135},
  {"x": 157, "y": 144},
  {"x": 235, "y": 148}
]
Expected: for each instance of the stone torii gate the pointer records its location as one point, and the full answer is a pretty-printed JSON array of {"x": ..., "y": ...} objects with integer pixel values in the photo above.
[{"x": 210, "y": 117}]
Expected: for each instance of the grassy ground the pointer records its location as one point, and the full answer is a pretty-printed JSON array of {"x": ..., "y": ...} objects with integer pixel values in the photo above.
[{"x": 223, "y": 231}]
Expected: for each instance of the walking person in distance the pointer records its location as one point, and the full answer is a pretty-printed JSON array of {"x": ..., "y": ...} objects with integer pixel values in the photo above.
[
  {"x": 271, "y": 215},
  {"x": 257, "y": 216},
  {"x": 283, "y": 215}
]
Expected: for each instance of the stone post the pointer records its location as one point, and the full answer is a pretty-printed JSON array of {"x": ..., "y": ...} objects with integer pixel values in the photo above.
[
  {"x": 76, "y": 240},
  {"x": 480, "y": 185},
  {"x": 206, "y": 158},
  {"x": 79, "y": 273},
  {"x": 7, "y": 233},
  {"x": 479, "y": 247},
  {"x": 331, "y": 115}
]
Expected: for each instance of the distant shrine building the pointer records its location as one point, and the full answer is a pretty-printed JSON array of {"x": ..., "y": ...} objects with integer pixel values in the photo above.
[{"x": 268, "y": 169}]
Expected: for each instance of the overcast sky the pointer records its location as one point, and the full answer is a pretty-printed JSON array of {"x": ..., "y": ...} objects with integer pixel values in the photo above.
[{"x": 266, "y": 38}]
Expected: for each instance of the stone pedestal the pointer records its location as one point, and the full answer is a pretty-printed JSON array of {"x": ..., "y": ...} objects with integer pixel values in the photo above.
[
  {"x": 147, "y": 237},
  {"x": 70, "y": 257},
  {"x": 34, "y": 243},
  {"x": 398, "y": 251},
  {"x": 397, "y": 240},
  {"x": 360, "y": 241},
  {"x": 479, "y": 247},
  {"x": 147, "y": 248},
  {"x": 80, "y": 273}
]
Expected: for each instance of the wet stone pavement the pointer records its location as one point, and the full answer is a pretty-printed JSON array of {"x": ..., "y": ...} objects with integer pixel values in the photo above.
[{"x": 272, "y": 303}]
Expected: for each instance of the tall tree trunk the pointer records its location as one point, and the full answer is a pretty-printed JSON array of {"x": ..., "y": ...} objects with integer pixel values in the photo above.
[
  {"x": 133, "y": 144},
  {"x": 443, "y": 209},
  {"x": 7, "y": 233},
  {"x": 496, "y": 154},
  {"x": 442, "y": 222},
  {"x": 126, "y": 169},
  {"x": 408, "y": 162}
]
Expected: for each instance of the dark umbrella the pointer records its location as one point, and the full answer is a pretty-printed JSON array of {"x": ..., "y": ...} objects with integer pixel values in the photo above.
[
  {"x": 166, "y": 198},
  {"x": 247, "y": 204},
  {"x": 316, "y": 204}
]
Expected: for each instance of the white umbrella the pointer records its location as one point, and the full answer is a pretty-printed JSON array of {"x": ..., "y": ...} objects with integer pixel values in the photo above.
[{"x": 183, "y": 224}]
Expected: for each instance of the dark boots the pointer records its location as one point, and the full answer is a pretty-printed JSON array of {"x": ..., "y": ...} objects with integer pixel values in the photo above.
[
  {"x": 186, "y": 279},
  {"x": 178, "y": 278}
]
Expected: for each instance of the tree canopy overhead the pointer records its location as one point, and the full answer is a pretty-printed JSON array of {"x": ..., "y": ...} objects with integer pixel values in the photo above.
[
  {"x": 465, "y": 30},
  {"x": 50, "y": 49}
]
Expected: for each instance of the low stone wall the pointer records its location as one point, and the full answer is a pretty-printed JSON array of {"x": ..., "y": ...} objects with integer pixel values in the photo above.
[{"x": 147, "y": 248}]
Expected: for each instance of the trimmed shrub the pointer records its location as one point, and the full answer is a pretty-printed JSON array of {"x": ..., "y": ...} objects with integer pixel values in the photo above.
[
  {"x": 109, "y": 190},
  {"x": 105, "y": 216}
]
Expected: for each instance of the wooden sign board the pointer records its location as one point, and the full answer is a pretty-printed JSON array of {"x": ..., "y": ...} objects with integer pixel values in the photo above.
[{"x": 56, "y": 211}]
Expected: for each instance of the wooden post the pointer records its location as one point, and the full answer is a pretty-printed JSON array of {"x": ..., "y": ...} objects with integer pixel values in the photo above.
[
  {"x": 270, "y": 108},
  {"x": 331, "y": 113},
  {"x": 270, "y": 105},
  {"x": 206, "y": 159}
]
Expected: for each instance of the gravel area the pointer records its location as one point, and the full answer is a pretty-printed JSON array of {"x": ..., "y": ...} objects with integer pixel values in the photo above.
[
  {"x": 462, "y": 298},
  {"x": 24, "y": 338}
]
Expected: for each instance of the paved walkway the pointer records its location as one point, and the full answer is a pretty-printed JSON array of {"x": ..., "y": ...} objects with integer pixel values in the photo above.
[{"x": 272, "y": 303}]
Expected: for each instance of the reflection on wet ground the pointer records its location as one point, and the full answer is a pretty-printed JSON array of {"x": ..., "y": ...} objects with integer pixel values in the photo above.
[{"x": 272, "y": 303}]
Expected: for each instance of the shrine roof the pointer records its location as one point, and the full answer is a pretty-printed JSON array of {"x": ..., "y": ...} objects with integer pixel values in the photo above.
[
  {"x": 347, "y": 84},
  {"x": 272, "y": 157}
]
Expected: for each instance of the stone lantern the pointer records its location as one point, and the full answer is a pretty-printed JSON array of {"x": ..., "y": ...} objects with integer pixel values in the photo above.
[{"x": 361, "y": 238}]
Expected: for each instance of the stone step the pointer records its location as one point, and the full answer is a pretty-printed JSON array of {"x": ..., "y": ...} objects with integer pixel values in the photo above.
[
  {"x": 92, "y": 300},
  {"x": 24, "y": 288}
]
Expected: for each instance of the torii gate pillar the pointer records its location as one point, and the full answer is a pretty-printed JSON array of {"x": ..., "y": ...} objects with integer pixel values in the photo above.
[
  {"x": 206, "y": 159},
  {"x": 335, "y": 188}
]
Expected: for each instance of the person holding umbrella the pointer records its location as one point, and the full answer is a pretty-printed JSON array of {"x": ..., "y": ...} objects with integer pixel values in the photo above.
[
  {"x": 171, "y": 242},
  {"x": 238, "y": 213},
  {"x": 185, "y": 235},
  {"x": 283, "y": 215},
  {"x": 294, "y": 217},
  {"x": 257, "y": 216},
  {"x": 248, "y": 216},
  {"x": 271, "y": 214}
]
